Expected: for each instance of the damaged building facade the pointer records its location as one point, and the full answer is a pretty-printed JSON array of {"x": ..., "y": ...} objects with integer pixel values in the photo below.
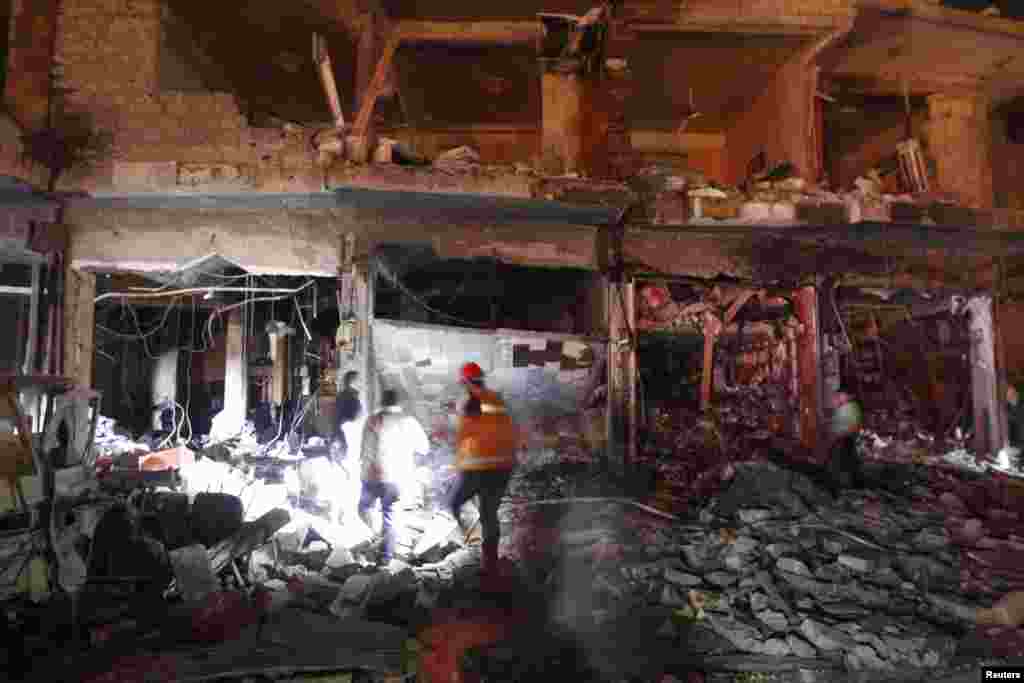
[{"x": 671, "y": 234}]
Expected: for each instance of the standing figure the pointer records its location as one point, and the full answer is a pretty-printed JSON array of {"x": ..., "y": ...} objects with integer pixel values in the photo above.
[
  {"x": 844, "y": 467},
  {"x": 486, "y": 448},
  {"x": 348, "y": 409},
  {"x": 390, "y": 440}
]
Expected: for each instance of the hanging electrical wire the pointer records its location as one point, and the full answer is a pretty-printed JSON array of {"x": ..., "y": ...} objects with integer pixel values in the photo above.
[
  {"x": 169, "y": 285},
  {"x": 400, "y": 286},
  {"x": 225, "y": 309},
  {"x": 199, "y": 290},
  {"x": 139, "y": 333}
]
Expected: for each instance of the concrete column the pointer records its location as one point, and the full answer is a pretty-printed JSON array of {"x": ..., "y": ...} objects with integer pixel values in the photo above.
[
  {"x": 562, "y": 117},
  {"x": 808, "y": 346},
  {"x": 236, "y": 391},
  {"x": 959, "y": 140},
  {"x": 79, "y": 325},
  {"x": 164, "y": 380},
  {"x": 989, "y": 406}
]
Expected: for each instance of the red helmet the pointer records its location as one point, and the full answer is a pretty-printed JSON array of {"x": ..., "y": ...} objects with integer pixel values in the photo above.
[{"x": 471, "y": 372}]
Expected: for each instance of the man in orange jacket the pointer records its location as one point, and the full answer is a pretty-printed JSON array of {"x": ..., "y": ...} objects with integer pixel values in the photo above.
[{"x": 485, "y": 456}]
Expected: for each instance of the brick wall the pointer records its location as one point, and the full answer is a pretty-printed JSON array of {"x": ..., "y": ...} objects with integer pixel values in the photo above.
[
  {"x": 959, "y": 135},
  {"x": 779, "y": 122},
  {"x": 1011, "y": 321},
  {"x": 32, "y": 27},
  {"x": 1008, "y": 175},
  {"x": 111, "y": 55},
  {"x": 12, "y": 158}
]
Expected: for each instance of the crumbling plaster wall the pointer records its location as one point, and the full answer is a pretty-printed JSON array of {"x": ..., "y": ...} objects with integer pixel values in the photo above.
[
  {"x": 31, "y": 35},
  {"x": 545, "y": 378},
  {"x": 1008, "y": 175},
  {"x": 1011, "y": 323},
  {"x": 110, "y": 53},
  {"x": 778, "y": 123},
  {"x": 13, "y": 161}
]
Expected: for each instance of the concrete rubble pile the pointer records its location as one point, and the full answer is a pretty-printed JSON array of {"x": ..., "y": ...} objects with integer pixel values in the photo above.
[
  {"x": 777, "y": 196},
  {"x": 775, "y": 567}
]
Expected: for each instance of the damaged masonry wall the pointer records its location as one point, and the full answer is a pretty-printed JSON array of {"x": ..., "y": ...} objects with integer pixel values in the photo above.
[{"x": 545, "y": 379}]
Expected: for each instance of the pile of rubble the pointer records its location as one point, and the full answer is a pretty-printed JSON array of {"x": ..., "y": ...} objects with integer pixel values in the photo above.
[
  {"x": 777, "y": 196},
  {"x": 774, "y": 567}
]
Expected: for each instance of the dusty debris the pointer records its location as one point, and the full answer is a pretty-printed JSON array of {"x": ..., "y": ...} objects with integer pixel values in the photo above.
[{"x": 458, "y": 159}]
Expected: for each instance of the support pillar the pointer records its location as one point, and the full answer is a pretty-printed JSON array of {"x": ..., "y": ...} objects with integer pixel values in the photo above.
[
  {"x": 959, "y": 140},
  {"x": 356, "y": 292},
  {"x": 809, "y": 367},
  {"x": 366, "y": 276},
  {"x": 583, "y": 127},
  {"x": 621, "y": 414},
  {"x": 562, "y": 116},
  {"x": 989, "y": 407},
  {"x": 281, "y": 375},
  {"x": 79, "y": 325},
  {"x": 236, "y": 393}
]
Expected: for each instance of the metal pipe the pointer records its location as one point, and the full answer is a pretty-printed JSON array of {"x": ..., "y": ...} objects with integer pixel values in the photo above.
[
  {"x": 33, "y": 322},
  {"x": 200, "y": 290}
]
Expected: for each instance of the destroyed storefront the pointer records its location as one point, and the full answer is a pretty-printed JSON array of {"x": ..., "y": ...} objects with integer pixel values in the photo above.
[{"x": 737, "y": 369}]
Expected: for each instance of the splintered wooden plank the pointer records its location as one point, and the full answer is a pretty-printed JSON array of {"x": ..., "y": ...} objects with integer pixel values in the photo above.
[
  {"x": 380, "y": 78},
  {"x": 322, "y": 59}
]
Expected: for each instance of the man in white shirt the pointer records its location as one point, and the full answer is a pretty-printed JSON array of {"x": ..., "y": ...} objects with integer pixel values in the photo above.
[{"x": 390, "y": 440}]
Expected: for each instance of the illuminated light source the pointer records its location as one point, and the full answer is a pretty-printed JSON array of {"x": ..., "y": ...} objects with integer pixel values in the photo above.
[{"x": 208, "y": 295}]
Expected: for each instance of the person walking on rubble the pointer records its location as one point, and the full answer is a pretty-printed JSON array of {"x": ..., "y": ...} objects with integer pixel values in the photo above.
[
  {"x": 391, "y": 438},
  {"x": 347, "y": 411},
  {"x": 486, "y": 446},
  {"x": 845, "y": 469}
]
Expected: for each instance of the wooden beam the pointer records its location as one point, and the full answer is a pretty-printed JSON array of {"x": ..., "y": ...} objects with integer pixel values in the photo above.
[
  {"x": 482, "y": 32},
  {"x": 322, "y": 59},
  {"x": 368, "y": 98},
  {"x": 737, "y": 304},
  {"x": 752, "y": 25}
]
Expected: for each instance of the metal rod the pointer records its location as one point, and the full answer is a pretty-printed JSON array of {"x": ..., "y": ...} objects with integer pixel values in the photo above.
[{"x": 29, "y": 365}]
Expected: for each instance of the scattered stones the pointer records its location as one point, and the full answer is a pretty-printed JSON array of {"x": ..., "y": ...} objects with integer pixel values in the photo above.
[
  {"x": 722, "y": 579},
  {"x": 682, "y": 578},
  {"x": 778, "y": 550},
  {"x": 792, "y": 566},
  {"x": 753, "y": 516},
  {"x": 825, "y": 637},
  {"x": 776, "y": 621},
  {"x": 857, "y": 563},
  {"x": 672, "y": 597},
  {"x": 744, "y": 637},
  {"x": 800, "y": 647},
  {"x": 865, "y": 657}
]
